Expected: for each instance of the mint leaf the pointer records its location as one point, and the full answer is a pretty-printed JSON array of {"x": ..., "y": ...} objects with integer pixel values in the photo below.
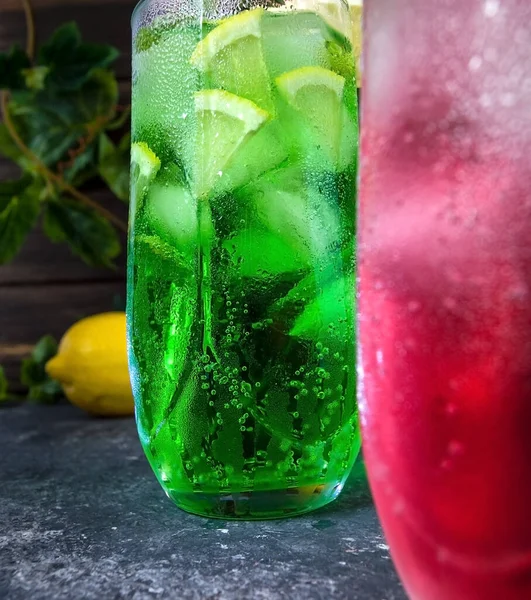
[
  {"x": 294, "y": 302},
  {"x": 114, "y": 164},
  {"x": 33, "y": 374},
  {"x": 330, "y": 312},
  {"x": 70, "y": 60},
  {"x": 166, "y": 255},
  {"x": 3, "y": 385},
  {"x": 90, "y": 236},
  {"x": 148, "y": 36},
  {"x": 19, "y": 209},
  {"x": 11, "y": 67},
  {"x": 341, "y": 59},
  {"x": 258, "y": 253}
]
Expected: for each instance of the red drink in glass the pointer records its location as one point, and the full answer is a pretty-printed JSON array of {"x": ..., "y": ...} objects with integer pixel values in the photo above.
[{"x": 445, "y": 292}]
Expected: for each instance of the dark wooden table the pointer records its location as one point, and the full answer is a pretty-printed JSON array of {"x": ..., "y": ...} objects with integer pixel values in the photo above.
[{"x": 82, "y": 516}]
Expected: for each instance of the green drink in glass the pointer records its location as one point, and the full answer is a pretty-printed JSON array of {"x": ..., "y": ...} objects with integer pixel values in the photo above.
[{"x": 241, "y": 298}]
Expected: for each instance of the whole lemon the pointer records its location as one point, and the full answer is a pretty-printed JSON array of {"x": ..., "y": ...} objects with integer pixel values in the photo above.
[{"x": 91, "y": 365}]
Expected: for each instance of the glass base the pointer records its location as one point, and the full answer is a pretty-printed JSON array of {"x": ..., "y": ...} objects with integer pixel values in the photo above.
[{"x": 257, "y": 505}]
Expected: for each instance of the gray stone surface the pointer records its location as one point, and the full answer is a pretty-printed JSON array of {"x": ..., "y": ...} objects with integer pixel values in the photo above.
[{"x": 82, "y": 516}]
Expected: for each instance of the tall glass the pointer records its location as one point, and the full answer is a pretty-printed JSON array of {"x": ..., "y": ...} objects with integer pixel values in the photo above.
[
  {"x": 444, "y": 292},
  {"x": 241, "y": 263}
]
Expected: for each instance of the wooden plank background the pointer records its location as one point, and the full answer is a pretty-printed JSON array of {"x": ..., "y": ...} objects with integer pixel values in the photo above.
[{"x": 46, "y": 289}]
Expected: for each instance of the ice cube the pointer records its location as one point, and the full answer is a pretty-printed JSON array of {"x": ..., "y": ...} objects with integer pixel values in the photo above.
[{"x": 171, "y": 211}]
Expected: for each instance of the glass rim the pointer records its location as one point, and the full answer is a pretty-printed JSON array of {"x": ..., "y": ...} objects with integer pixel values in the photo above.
[
  {"x": 136, "y": 10},
  {"x": 345, "y": 3}
]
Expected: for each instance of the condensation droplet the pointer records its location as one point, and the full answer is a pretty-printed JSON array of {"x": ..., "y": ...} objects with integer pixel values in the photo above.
[
  {"x": 485, "y": 100},
  {"x": 508, "y": 100},
  {"x": 450, "y": 409},
  {"x": 475, "y": 63},
  {"x": 442, "y": 555},
  {"x": 399, "y": 506},
  {"x": 449, "y": 303},
  {"x": 455, "y": 448},
  {"x": 413, "y": 306},
  {"x": 491, "y": 8}
]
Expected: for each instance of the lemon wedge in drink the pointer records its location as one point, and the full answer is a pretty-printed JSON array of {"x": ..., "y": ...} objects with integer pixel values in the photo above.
[
  {"x": 231, "y": 57},
  {"x": 144, "y": 167},
  {"x": 225, "y": 123},
  {"x": 317, "y": 95}
]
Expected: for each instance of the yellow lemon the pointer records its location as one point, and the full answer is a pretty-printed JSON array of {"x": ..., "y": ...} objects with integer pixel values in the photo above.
[{"x": 91, "y": 365}]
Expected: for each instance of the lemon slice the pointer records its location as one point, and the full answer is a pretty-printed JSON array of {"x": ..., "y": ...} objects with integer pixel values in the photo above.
[
  {"x": 147, "y": 161},
  {"x": 231, "y": 57},
  {"x": 225, "y": 123},
  {"x": 317, "y": 95},
  {"x": 305, "y": 78},
  {"x": 336, "y": 15},
  {"x": 145, "y": 165}
]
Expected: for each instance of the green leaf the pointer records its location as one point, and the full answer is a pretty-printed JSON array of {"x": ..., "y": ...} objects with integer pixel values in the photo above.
[
  {"x": 49, "y": 392},
  {"x": 70, "y": 60},
  {"x": 44, "y": 131},
  {"x": 35, "y": 77},
  {"x": 8, "y": 148},
  {"x": 3, "y": 385},
  {"x": 11, "y": 66},
  {"x": 12, "y": 187},
  {"x": 54, "y": 122},
  {"x": 341, "y": 59},
  {"x": 293, "y": 303},
  {"x": 19, "y": 209},
  {"x": 33, "y": 374},
  {"x": 114, "y": 163},
  {"x": 330, "y": 313},
  {"x": 98, "y": 97},
  {"x": 121, "y": 120},
  {"x": 88, "y": 234},
  {"x": 45, "y": 349},
  {"x": 82, "y": 167},
  {"x": 259, "y": 253},
  {"x": 148, "y": 36}
]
